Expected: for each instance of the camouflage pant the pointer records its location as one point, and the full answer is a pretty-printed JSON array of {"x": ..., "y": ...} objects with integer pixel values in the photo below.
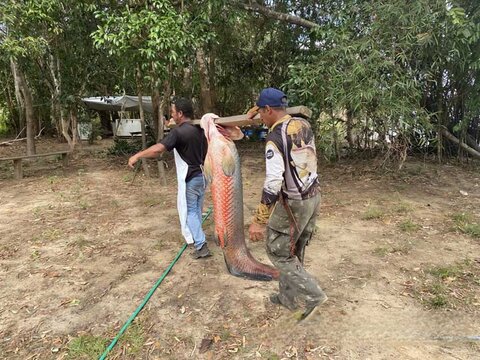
[{"x": 297, "y": 287}]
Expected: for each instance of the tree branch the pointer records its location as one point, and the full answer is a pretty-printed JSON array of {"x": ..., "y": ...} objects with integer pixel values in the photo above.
[
  {"x": 252, "y": 6},
  {"x": 464, "y": 146}
]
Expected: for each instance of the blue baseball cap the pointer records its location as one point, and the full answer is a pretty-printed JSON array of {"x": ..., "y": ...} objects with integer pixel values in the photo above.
[{"x": 272, "y": 97}]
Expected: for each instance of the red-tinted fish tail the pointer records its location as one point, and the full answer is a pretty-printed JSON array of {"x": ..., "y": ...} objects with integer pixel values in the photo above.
[{"x": 247, "y": 267}]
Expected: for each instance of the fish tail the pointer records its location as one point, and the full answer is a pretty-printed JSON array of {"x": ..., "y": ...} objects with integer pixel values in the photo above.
[{"x": 249, "y": 268}]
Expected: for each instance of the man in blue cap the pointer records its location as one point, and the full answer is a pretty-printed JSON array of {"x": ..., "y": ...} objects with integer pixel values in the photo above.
[{"x": 292, "y": 182}]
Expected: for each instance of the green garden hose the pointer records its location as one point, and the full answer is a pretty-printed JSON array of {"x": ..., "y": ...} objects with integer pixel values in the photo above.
[{"x": 149, "y": 295}]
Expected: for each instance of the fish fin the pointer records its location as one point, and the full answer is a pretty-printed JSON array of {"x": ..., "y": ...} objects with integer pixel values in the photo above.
[
  {"x": 228, "y": 164},
  {"x": 207, "y": 169},
  {"x": 246, "y": 275}
]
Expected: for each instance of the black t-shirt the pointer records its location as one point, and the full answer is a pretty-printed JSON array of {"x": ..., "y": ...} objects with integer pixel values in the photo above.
[{"x": 191, "y": 144}]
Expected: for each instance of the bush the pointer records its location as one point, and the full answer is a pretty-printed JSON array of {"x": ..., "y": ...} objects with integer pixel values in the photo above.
[{"x": 122, "y": 147}]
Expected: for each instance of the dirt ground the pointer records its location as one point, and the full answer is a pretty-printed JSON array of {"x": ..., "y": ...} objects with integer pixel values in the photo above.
[{"x": 397, "y": 254}]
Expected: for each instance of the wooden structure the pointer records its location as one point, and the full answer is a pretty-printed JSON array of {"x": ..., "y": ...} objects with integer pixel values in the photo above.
[
  {"x": 17, "y": 160},
  {"x": 242, "y": 120}
]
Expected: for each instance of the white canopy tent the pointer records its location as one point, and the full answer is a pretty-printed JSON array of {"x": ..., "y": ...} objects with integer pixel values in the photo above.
[
  {"x": 118, "y": 103},
  {"x": 125, "y": 126}
]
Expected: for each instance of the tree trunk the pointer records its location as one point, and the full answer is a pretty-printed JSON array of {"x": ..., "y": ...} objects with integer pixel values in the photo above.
[
  {"x": 18, "y": 96},
  {"x": 74, "y": 126},
  {"x": 159, "y": 125},
  {"x": 13, "y": 110},
  {"x": 351, "y": 143},
  {"x": 187, "y": 84},
  {"x": 211, "y": 73},
  {"x": 142, "y": 118},
  {"x": 163, "y": 109},
  {"x": 156, "y": 115},
  {"x": 441, "y": 114},
  {"x": 27, "y": 102},
  {"x": 461, "y": 144},
  {"x": 205, "y": 99},
  {"x": 63, "y": 121},
  {"x": 472, "y": 142}
]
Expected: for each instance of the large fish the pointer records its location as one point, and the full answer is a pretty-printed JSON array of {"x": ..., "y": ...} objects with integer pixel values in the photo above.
[{"x": 222, "y": 169}]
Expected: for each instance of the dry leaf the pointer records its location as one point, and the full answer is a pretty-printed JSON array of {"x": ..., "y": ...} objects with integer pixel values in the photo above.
[{"x": 205, "y": 345}]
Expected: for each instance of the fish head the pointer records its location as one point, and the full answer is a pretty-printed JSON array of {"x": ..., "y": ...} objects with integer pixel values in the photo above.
[
  {"x": 215, "y": 131},
  {"x": 207, "y": 123}
]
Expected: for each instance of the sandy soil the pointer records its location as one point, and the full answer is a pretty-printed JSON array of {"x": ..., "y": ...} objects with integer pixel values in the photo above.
[{"x": 81, "y": 247}]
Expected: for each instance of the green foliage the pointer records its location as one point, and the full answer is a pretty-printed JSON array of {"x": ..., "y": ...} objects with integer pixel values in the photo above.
[
  {"x": 408, "y": 226},
  {"x": 465, "y": 223},
  {"x": 3, "y": 122},
  {"x": 122, "y": 147},
  {"x": 387, "y": 71},
  {"x": 86, "y": 347},
  {"x": 438, "y": 301},
  {"x": 445, "y": 272},
  {"x": 441, "y": 284},
  {"x": 134, "y": 338},
  {"x": 371, "y": 68},
  {"x": 472, "y": 229},
  {"x": 330, "y": 134},
  {"x": 402, "y": 208},
  {"x": 373, "y": 213},
  {"x": 153, "y": 35}
]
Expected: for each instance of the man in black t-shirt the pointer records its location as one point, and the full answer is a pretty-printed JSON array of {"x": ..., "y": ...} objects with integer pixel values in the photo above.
[{"x": 190, "y": 147}]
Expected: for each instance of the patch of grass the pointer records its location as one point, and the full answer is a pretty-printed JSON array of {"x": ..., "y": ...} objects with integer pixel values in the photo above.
[
  {"x": 74, "y": 302},
  {"x": 373, "y": 213},
  {"x": 459, "y": 218},
  {"x": 465, "y": 224},
  {"x": 83, "y": 204},
  {"x": 414, "y": 170},
  {"x": 437, "y": 296},
  {"x": 449, "y": 286},
  {"x": 159, "y": 245},
  {"x": 471, "y": 229},
  {"x": 408, "y": 226},
  {"x": 35, "y": 255},
  {"x": 86, "y": 347},
  {"x": 7, "y": 251},
  {"x": 225, "y": 335},
  {"x": 403, "y": 249},
  {"x": 127, "y": 177},
  {"x": 401, "y": 186},
  {"x": 438, "y": 301},
  {"x": 37, "y": 211},
  {"x": 381, "y": 251},
  {"x": 151, "y": 202},
  {"x": 52, "y": 179},
  {"x": 51, "y": 234},
  {"x": 134, "y": 338},
  {"x": 402, "y": 208},
  {"x": 80, "y": 242},
  {"x": 123, "y": 147},
  {"x": 444, "y": 272},
  {"x": 36, "y": 239}
]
